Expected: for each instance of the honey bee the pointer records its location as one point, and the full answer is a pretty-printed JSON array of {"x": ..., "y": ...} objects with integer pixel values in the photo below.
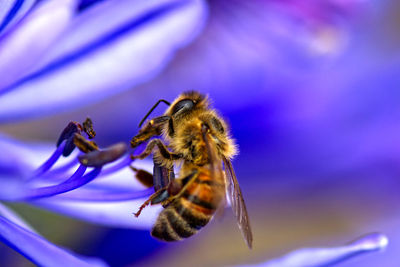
[{"x": 196, "y": 138}]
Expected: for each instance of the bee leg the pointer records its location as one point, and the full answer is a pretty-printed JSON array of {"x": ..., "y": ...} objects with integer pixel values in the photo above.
[
  {"x": 153, "y": 199},
  {"x": 176, "y": 187},
  {"x": 164, "y": 152},
  {"x": 164, "y": 195},
  {"x": 162, "y": 175},
  {"x": 169, "y": 193},
  {"x": 160, "y": 178},
  {"x": 143, "y": 176},
  {"x": 152, "y": 128},
  {"x": 147, "y": 202}
]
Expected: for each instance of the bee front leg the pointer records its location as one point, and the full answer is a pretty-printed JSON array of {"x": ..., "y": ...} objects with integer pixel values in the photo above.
[
  {"x": 164, "y": 152},
  {"x": 151, "y": 129}
]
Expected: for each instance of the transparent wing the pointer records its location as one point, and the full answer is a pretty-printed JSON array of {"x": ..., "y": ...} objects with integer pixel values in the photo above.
[{"x": 237, "y": 202}]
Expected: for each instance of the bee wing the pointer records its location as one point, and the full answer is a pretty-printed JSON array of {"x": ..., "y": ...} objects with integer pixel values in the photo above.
[
  {"x": 161, "y": 175},
  {"x": 237, "y": 202}
]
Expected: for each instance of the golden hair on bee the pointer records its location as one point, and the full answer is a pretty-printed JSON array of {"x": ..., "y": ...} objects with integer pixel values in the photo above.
[
  {"x": 189, "y": 112},
  {"x": 197, "y": 137}
]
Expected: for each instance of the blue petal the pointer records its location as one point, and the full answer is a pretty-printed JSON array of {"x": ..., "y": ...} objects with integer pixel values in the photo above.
[
  {"x": 108, "y": 49},
  {"x": 106, "y": 195},
  {"x": 22, "y": 158},
  {"x": 113, "y": 214},
  {"x": 329, "y": 256},
  {"x": 39, "y": 250},
  {"x": 15, "y": 218},
  {"x": 13, "y": 168},
  {"x": 11, "y": 11},
  {"x": 39, "y": 29},
  {"x": 84, "y": 4},
  {"x": 81, "y": 203}
]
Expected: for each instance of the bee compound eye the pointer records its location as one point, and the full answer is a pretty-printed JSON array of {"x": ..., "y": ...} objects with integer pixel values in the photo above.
[{"x": 183, "y": 105}]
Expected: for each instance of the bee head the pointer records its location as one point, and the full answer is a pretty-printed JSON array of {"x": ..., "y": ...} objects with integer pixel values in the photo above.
[
  {"x": 182, "y": 106},
  {"x": 188, "y": 101}
]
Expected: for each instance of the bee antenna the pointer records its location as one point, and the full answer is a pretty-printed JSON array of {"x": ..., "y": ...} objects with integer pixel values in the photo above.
[{"x": 151, "y": 110}]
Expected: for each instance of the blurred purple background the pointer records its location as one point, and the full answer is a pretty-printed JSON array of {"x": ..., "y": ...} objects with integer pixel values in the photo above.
[{"x": 311, "y": 91}]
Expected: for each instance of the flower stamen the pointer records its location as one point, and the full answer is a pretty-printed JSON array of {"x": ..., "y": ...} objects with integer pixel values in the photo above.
[
  {"x": 83, "y": 144},
  {"x": 88, "y": 128},
  {"x": 92, "y": 156},
  {"x": 68, "y": 135},
  {"x": 99, "y": 158},
  {"x": 98, "y": 195},
  {"x": 75, "y": 181},
  {"x": 51, "y": 161}
]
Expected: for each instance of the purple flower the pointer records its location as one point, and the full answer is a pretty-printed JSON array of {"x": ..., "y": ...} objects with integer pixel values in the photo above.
[
  {"x": 66, "y": 187},
  {"x": 15, "y": 232},
  {"x": 107, "y": 201},
  {"x": 257, "y": 59},
  {"x": 330, "y": 256},
  {"x": 106, "y": 46}
]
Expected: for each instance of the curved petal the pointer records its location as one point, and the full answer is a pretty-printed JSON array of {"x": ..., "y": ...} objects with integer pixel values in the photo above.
[
  {"x": 15, "y": 218},
  {"x": 114, "y": 214},
  {"x": 84, "y": 4},
  {"x": 106, "y": 195},
  {"x": 116, "y": 58},
  {"x": 26, "y": 155},
  {"x": 13, "y": 167},
  {"x": 329, "y": 256},
  {"x": 39, "y": 250},
  {"x": 11, "y": 11},
  {"x": 40, "y": 30}
]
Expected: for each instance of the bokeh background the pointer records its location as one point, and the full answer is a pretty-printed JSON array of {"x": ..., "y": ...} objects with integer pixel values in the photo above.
[{"x": 313, "y": 100}]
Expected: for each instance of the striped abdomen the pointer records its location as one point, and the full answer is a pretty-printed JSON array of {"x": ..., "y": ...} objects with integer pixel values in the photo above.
[{"x": 191, "y": 211}]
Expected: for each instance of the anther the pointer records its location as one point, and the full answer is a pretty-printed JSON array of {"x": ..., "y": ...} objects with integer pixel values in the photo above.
[
  {"x": 88, "y": 128},
  {"x": 84, "y": 145},
  {"x": 99, "y": 158},
  {"x": 69, "y": 146},
  {"x": 68, "y": 134}
]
